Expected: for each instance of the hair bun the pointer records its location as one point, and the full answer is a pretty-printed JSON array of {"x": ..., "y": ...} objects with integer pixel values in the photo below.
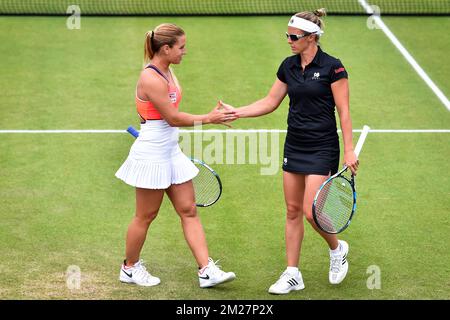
[{"x": 320, "y": 12}]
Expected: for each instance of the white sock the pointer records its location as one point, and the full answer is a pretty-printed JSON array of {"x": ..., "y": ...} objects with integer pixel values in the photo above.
[
  {"x": 337, "y": 250},
  {"x": 293, "y": 271}
]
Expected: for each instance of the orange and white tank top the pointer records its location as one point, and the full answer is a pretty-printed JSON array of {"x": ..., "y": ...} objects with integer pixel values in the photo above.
[{"x": 146, "y": 110}]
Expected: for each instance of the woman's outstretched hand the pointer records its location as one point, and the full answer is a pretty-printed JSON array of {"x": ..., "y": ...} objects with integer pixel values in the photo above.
[
  {"x": 228, "y": 107},
  {"x": 222, "y": 114}
]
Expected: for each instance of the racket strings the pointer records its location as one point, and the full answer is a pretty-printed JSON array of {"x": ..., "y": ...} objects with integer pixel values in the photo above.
[
  {"x": 207, "y": 188},
  {"x": 334, "y": 205}
]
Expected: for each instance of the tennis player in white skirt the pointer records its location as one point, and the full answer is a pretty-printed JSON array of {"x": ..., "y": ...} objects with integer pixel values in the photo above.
[{"x": 156, "y": 165}]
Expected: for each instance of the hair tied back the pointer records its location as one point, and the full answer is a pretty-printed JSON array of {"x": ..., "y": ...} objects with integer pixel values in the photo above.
[{"x": 320, "y": 12}]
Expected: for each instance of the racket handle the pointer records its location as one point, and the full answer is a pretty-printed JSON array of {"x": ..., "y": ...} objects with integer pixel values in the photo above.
[
  {"x": 133, "y": 131},
  {"x": 361, "y": 139}
]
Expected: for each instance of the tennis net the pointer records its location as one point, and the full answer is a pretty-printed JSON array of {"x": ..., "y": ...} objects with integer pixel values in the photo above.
[{"x": 219, "y": 7}]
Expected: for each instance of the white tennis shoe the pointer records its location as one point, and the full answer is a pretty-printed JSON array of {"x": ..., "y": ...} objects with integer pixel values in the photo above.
[
  {"x": 211, "y": 275},
  {"x": 287, "y": 283},
  {"x": 138, "y": 274},
  {"x": 339, "y": 264}
]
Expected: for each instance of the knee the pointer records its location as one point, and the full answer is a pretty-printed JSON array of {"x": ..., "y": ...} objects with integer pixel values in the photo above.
[
  {"x": 146, "y": 218},
  {"x": 187, "y": 211},
  {"x": 293, "y": 211}
]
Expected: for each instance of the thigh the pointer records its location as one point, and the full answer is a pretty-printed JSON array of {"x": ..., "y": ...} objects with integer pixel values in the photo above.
[
  {"x": 294, "y": 189},
  {"x": 182, "y": 196},
  {"x": 148, "y": 201},
  {"x": 312, "y": 184}
]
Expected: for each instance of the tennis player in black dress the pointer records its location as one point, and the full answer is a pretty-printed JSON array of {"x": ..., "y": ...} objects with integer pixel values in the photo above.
[{"x": 316, "y": 83}]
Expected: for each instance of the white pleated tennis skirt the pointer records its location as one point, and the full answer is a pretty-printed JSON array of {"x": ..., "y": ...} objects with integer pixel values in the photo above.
[{"x": 155, "y": 160}]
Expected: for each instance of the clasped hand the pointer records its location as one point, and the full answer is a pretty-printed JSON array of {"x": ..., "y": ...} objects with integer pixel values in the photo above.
[{"x": 222, "y": 114}]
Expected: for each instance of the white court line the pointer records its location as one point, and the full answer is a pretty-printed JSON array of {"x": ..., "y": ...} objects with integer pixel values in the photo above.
[
  {"x": 63, "y": 131},
  {"x": 406, "y": 54},
  {"x": 354, "y": 130},
  {"x": 223, "y": 131}
]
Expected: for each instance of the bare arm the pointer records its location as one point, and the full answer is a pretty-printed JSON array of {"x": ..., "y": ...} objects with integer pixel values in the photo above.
[
  {"x": 341, "y": 97},
  {"x": 267, "y": 104},
  {"x": 156, "y": 91}
]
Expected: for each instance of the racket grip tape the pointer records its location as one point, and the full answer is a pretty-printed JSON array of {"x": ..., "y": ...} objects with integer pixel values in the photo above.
[{"x": 133, "y": 131}]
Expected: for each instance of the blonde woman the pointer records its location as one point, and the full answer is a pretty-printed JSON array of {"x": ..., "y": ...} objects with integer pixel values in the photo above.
[{"x": 156, "y": 165}]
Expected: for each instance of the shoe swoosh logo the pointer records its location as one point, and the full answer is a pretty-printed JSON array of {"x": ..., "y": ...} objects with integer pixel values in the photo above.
[
  {"x": 205, "y": 278},
  {"x": 130, "y": 275}
]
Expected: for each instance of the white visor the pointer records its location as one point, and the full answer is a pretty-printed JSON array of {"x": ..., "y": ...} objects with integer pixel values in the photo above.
[{"x": 305, "y": 25}]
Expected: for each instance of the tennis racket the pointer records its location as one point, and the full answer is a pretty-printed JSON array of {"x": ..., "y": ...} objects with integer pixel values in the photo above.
[
  {"x": 335, "y": 202},
  {"x": 207, "y": 184}
]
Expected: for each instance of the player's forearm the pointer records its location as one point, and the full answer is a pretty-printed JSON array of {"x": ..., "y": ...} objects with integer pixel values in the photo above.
[
  {"x": 256, "y": 109},
  {"x": 346, "y": 127},
  {"x": 183, "y": 119}
]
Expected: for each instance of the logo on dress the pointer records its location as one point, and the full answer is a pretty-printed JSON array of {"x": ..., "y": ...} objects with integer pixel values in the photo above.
[
  {"x": 316, "y": 76},
  {"x": 285, "y": 160},
  {"x": 339, "y": 70},
  {"x": 173, "y": 97}
]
